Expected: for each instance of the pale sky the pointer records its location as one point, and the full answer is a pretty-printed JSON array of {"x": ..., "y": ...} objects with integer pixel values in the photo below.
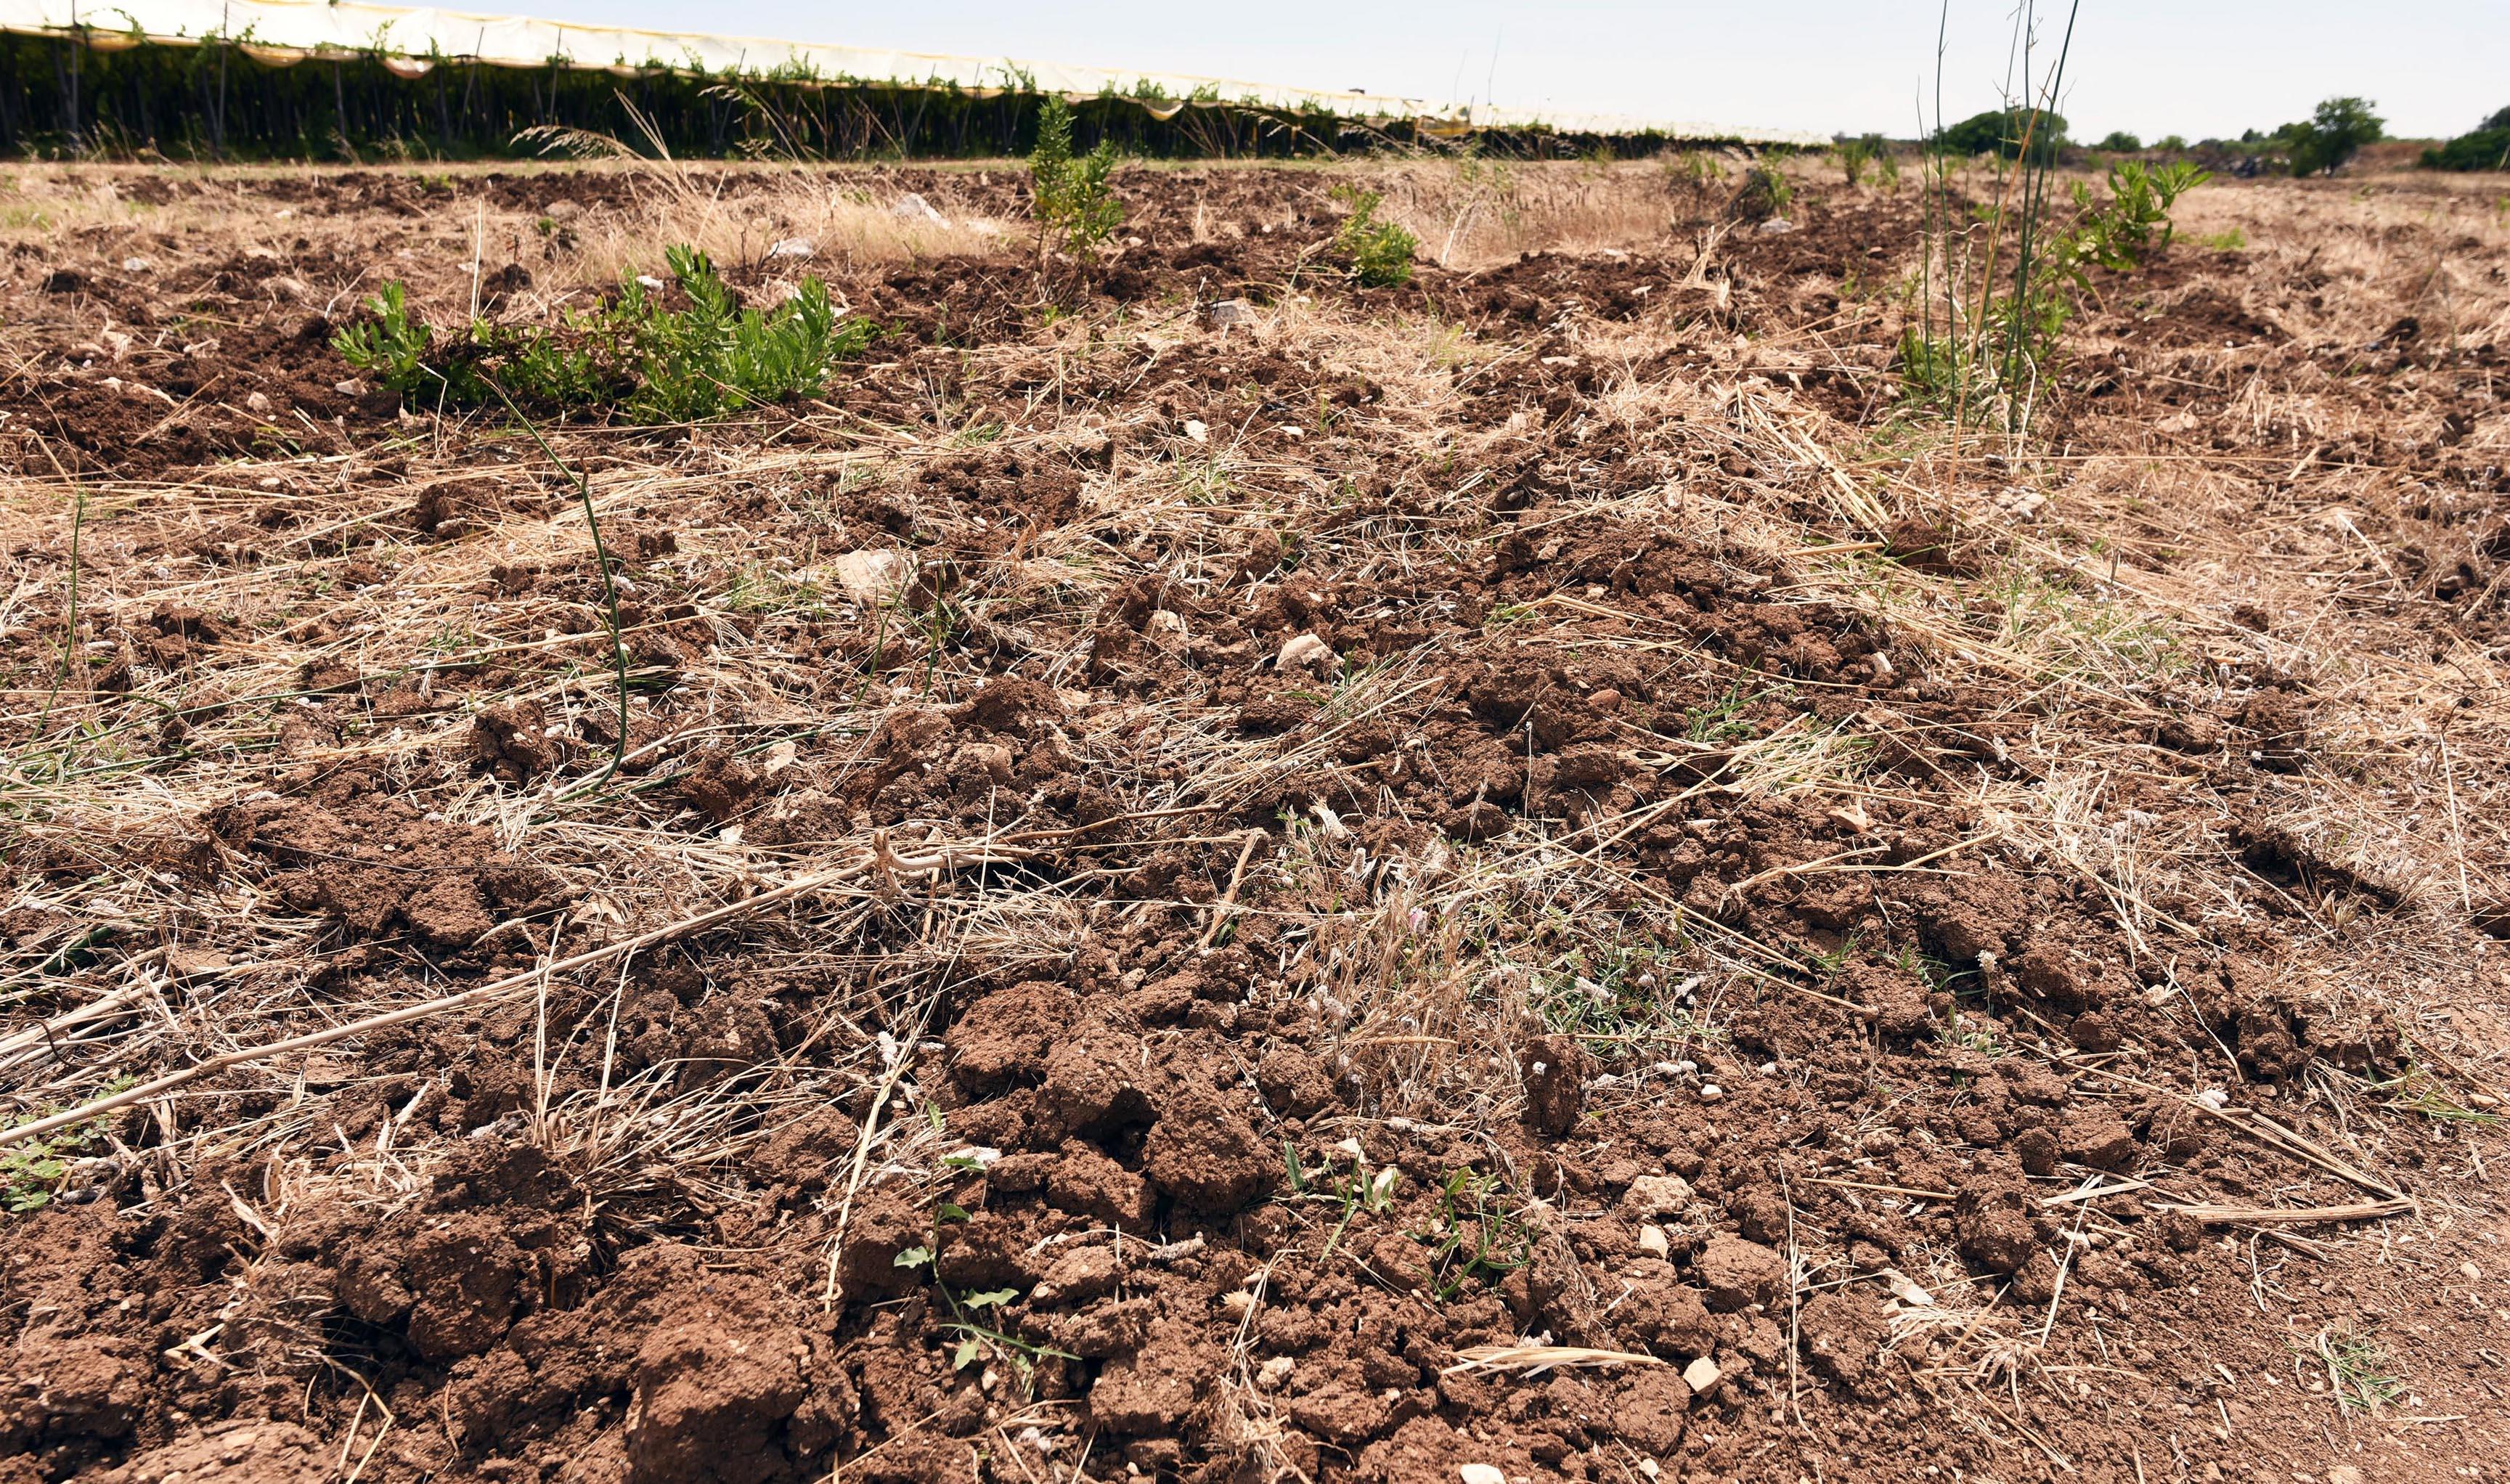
[{"x": 2196, "y": 67}]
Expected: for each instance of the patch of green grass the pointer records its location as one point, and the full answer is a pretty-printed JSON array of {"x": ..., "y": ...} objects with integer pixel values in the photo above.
[
  {"x": 2366, "y": 1377},
  {"x": 1721, "y": 721},
  {"x": 2229, "y": 240}
]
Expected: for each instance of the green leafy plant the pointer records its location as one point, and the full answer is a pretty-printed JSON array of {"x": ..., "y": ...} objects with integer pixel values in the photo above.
[
  {"x": 1071, "y": 195},
  {"x": 2118, "y": 141},
  {"x": 2135, "y": 222},
  {"x": 638, "y": 354},
  {"x": 1991, "y": 303},
  {"x": 32, "y": 1170},
  {"x": 1379, "y": 251}
]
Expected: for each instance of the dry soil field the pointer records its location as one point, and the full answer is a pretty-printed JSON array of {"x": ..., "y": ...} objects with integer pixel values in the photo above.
[{"x": 1520, "y": 877}]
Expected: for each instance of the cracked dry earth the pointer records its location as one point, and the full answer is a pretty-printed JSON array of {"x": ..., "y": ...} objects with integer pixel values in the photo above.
[{"x": 1524, "y": 877}]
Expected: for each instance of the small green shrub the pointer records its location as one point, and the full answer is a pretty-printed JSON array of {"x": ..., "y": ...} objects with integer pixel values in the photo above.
[
  {"x": 1071, "y": 195},
  {"x": 636, "y": 354},
  {"x": 1379, "y": 251},
  {"x": 2118, "y": 141},
  {"x": 2120, "y": 235},
  {"x": 1854, "y": 155}
]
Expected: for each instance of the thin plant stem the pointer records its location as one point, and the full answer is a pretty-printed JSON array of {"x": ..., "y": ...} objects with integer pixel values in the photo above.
[
  {"x": 609, "y": 588},
  {"x": 70, "y": 638}
]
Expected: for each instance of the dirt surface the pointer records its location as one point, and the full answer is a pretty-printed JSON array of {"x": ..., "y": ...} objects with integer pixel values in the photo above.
[{"x": 1528, "y": 869}]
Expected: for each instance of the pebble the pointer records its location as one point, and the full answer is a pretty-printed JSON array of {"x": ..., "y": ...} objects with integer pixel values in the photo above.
[
  {"x": 1652, "y": 1242},
  {"x": 2474, "y": 1274},
  {"x": 1702, "y": 1376},
  {"x": 1710, "y": 1093},
  {"x": 1480, "y": 1473},
  {"x": 1604, "y": 700}
]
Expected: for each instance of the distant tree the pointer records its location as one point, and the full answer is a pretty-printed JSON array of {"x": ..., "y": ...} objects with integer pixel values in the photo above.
[
  {"x": 2000, "y": 130},
  {"x": 2334, "y": 133},
  {"x": 2499, "y": 120},
  {"x": 2120, "y": 141},
  {"x": 2172, "y": 145}
]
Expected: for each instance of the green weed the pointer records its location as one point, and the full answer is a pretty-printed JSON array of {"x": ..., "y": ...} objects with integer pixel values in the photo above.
[
  {"x": 655, "y": 363},
  {"x": 1474, "y": 1237}
]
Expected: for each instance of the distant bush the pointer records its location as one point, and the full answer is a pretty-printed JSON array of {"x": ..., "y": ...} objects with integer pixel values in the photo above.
[
  {"x": 2334, "y": 133},
  {"x": 2120, "y": 141},
  {"x": 2486, "y": 148},
  {"x": 2002, "y": 130},
  {"x": 1854, "y": 155},
  {"x": 657, "y": 364},
  {"x": 2171, "y": 145},
  {"x": 1379, "y": 251},
  {"x": 1765, "y": 192}
]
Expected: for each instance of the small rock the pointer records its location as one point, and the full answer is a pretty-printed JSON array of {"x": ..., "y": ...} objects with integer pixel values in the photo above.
[
  {"x": 1271, "y": 1373},
  {"x": 1657, "y": 1197},
  {"x": 1710, "y": 1093},
  {"x": 1604, "y": 700},
  {"x": 1308, "y": 653},
  {"x": 873, "y": 576},
  {"x": 1776, "y": 226},
  {"x": 1739, "y": 1273},
  {"x": 914, "y": 208},
  {"x": 1195, "y": 430},
  {"x": 255, "y": 402},
  {"x": 793, "y": 247},
  {"x": 1480, "y": 1473},
  {"x": 1702, "y": 1376},
  {"x": 1229, "y": 312},
  {"x": 562, "y": 210},
  {"x": 1653, "y": 1243},
  {"x": 2471, "y": 1272},
  {"x": 351, "y": 387},
  {"x": 135, "y": 265}
]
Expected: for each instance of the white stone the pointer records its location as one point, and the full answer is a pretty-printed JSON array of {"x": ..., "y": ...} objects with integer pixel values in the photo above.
[
  {"x": 1702, "y": 1376},
  {"x": 1652, "y": 1242},
  {"x": 1308, "y": 653},
  {"x": 873, "y": 576},
  {"x": 914, "y": 208},
  {"x": 1480, "y": 1473},
  {"x": 793, "y": 247}
]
